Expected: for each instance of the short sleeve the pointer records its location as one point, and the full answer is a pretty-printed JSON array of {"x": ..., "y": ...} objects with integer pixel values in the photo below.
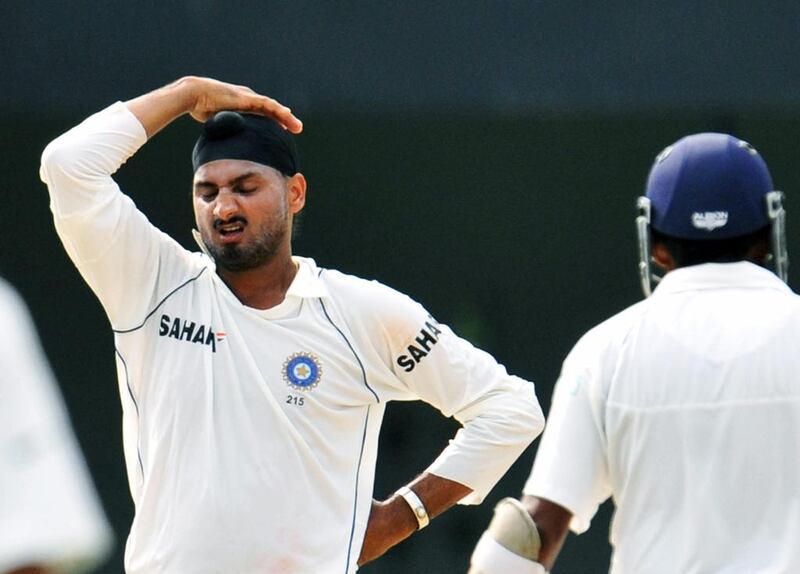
[{"x": 571, "y": 467}]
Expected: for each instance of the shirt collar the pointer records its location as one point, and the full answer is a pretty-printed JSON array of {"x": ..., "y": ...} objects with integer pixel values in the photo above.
[
  {"x": 306, "y": 284},
  {"x": 739, "y": 275}
]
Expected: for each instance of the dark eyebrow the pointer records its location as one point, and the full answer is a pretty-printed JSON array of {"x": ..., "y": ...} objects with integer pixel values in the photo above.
[{"x": 231, "y": 183}]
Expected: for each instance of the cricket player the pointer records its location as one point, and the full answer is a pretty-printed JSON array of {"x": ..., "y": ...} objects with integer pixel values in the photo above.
[
  {"x": 50, "y": 518},
  {"x": 685, "y": 408},
  {"x": 254, "y": 381}
]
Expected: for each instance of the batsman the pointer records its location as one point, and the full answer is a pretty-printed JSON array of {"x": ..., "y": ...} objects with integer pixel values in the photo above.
[{"x": 685, "y": 407}]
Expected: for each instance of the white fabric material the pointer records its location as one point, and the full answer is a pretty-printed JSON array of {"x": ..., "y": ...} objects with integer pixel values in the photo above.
[
  {"x": 232, "y": 469},
  {"x": 686, "y": 409},
  {"x": 49, "y": 512},
  {"x": 491, "y": 557}
]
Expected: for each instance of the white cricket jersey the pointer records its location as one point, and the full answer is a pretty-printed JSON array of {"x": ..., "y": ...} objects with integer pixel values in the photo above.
[
  {"x": 49, "y": 512},
  {"x": 250, "y": 436},
  {"x": 686, "y": 409}
]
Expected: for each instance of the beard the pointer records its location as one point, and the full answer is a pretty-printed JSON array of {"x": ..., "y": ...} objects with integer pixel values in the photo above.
[
  {"x": 243, "y": 257},
  {"x": 246, "y": 257}
]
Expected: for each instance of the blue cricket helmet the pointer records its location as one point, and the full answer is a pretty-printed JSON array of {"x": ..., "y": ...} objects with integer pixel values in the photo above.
[{"x": 710, "y": 186}]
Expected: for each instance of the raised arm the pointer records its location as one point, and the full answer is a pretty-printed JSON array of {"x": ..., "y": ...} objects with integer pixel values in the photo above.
[{"x": 123, "y": 258}]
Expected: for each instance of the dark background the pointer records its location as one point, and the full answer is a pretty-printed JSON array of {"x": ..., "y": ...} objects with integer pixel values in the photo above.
[{"x": 483, "y": 157}]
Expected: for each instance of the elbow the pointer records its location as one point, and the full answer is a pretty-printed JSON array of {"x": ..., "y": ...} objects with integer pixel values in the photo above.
[
  {"x": 533, "y": 417},
  {"x": 539, "y": 420},
  {"x": 63, "y": 159},
  {"x": 55, "y": 157},
  {"x": 524, "y": 419},
  {"x": 534, "y": 421},
  {"x": 525, "y": 412},
  {"x": 515, "y": 413}
]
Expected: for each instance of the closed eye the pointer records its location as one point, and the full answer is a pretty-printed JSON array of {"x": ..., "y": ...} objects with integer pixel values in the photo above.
[{"x": 206, "y": 191}]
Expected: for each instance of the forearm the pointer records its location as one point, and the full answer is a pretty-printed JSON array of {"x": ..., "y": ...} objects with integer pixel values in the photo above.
[
  {"x": 157, "y": 109},
  {"x": 393, "y": 520},
  {"x": 524, "y": 536},
  {"x": 552, "y": 523},
  {"x": 436, "y": 493}
]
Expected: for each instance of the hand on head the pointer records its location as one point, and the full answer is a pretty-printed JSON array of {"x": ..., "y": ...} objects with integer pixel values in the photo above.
[
  {"x": 212, "y": 96},
  {"x": 202, "y": 98}
]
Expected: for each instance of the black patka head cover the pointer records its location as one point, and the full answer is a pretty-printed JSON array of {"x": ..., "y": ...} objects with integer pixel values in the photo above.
[{"x": 232, "y": 135}]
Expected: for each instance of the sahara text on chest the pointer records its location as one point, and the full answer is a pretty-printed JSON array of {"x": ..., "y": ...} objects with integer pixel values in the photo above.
[{"x": 189, "y": 331}]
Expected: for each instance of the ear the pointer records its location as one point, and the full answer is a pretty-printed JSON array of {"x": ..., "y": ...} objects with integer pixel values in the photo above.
[
  {"x": 662, "y": 257},
  {"x": 296, "y": 187},
  {"x": 759, "y": 252}
]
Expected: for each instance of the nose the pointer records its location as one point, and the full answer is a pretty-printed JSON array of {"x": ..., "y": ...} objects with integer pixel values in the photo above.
[{"x": 225, "y": 205}]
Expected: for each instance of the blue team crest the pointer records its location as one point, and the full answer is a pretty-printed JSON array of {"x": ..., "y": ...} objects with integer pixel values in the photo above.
[{"x": 302, "y": 371}]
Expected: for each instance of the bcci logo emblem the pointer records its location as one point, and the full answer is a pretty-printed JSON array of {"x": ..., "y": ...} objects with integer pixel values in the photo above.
[{"x": 302, "y": 371}]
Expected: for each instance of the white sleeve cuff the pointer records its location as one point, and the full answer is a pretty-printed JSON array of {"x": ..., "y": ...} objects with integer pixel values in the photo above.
[{"x": 490, "y": 557}]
